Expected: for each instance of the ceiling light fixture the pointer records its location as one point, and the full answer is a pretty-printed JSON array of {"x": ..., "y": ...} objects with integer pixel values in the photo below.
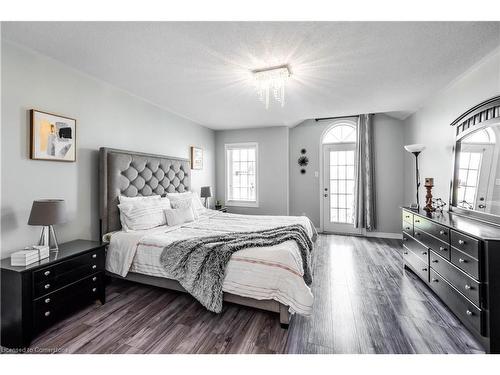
[{"x": 271, "y": 81}]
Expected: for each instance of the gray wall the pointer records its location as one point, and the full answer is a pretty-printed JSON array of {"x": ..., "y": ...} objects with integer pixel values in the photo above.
[
  {"x": 431, "y": 125},
  {"x": 106, "y": 116},
  {"x": 388, "y": 143},
  {"x": 273, "y": 167}
]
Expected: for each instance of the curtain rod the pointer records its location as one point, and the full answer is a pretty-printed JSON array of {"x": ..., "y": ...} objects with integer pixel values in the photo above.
[{"x": 333, "y": 118}]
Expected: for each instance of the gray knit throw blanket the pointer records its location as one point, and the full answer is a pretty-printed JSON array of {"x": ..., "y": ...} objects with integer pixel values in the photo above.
[{"x": 199, "y": 264}]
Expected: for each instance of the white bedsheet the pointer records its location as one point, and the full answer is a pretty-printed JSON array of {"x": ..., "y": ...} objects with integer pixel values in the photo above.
[{"x": 273, "y": 272}]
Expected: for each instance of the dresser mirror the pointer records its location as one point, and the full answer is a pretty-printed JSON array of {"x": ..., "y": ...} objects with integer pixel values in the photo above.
[{"x": 475, "y": 188}]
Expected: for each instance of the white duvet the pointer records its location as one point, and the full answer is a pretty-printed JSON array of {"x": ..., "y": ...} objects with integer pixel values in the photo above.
[{"x": 273, "y": 272}]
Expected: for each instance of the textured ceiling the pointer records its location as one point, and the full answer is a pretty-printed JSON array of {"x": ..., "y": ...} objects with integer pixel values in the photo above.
[{"x": 200, "y": 70}]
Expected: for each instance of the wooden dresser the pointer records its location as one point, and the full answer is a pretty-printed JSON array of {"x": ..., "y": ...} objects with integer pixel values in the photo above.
[
  {"x": 38, "y": 295},
  {"x": 459, "y": 259}
]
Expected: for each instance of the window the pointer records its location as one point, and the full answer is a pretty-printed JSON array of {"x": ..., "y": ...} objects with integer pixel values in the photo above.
[
  {"x": 344, "y": 133},
  {"x": 241, "y": 174},
  {"x": 468, "y": 175}
]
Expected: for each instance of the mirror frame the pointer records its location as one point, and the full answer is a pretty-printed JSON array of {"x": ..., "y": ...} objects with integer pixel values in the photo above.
[{"x": 478, "y": 117}]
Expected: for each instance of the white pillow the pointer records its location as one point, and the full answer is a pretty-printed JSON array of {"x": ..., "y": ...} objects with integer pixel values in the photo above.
[
  {"x": 143, "y": 214},
  {"x": 125, "y": 199},
  {"x": 184, "y": 202},
  {"x": 197, "y": 205},
  {"x": 178, "y": 216}
]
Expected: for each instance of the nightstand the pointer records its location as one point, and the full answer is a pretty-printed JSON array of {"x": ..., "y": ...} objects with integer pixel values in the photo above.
[
  {"x": 221, "y": 209},
  {"x": 38, "y": 295}
]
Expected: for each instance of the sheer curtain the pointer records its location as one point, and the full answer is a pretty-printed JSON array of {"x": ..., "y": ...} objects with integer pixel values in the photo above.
[{"x": 364, "y": 209}]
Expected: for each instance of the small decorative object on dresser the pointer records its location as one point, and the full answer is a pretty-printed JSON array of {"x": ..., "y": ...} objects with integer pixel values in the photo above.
[
  {"x": 221, "y": 209},
  {"x": 53, "y": 137},
  {"x": 458, "y": 258},
  {"x": 196, "y": 158},
  {"x": 34, "y": 297},
  {"x": 47, "y": 212},
  {"x": 205, "y": 193},
  {"x": 438, "y": 204},
  {"x": 217, "y": 204},
  {"x": 429, "y": 184},
  {"x": 416, "y": 149}
]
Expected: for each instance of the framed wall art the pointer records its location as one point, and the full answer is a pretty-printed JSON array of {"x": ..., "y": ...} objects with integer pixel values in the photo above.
[
  {"x": 196, "y": 158},
  {"x": 52, "y": 137}
]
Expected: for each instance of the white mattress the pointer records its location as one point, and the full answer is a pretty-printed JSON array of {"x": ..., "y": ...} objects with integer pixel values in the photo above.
[{"x": 273, "y": 272}]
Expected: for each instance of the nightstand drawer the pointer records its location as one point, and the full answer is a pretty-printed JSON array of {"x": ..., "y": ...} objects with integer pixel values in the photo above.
[
  {"x": 408, "y": 217},
  {"x": 466, "y": 244},
  {"x": 54, "y": 306},
  {"x": 92, "y": 257},
  {"x": 466, "y": 285}
]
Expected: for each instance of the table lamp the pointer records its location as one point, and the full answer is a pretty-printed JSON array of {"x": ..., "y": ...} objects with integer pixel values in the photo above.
[{"x": 47, "y": 212}]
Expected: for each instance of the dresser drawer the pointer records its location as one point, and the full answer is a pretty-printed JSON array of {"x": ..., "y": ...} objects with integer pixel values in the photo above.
[
  {"x": 418, "y": 249},
  {"x": 465, "y": 263},
  {"x": 432, "y": 228},
  {"x": 469, "y": 287},
  {"x": 408, "y": 217},
  {"x": 54, "y": 306},
  {"x": 407, "y": 227},
  {"x": 465, "y": 244},
  {"x": 466, "y": 311},
  {"x": 94, "y": 257},
  {"x": 438, "y": 246},
  {"x": 417, "y": 265}
]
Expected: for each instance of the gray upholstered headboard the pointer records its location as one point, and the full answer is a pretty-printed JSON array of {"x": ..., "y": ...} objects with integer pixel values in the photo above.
[{"x": 134, "y": 173}]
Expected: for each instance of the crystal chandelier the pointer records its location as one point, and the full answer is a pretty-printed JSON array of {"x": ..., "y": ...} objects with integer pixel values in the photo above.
[{"x": 271, "y": 82}]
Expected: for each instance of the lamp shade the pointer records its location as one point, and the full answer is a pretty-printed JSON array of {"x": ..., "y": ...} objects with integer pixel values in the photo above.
[
  {"x": 415, "y": 148},
  {"x": 47, "y": 212},
  {"x": 205, "y": 192}
]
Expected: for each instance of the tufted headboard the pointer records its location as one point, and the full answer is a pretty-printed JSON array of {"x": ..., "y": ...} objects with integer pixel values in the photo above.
[{"x": 136, "y": 174}]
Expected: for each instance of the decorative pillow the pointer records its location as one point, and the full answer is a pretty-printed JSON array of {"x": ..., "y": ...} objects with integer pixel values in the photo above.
[
  {"x": 178, "y": 216},
  {"x": 125, "y": 199},
  {"x": 185, "y": 202},
  {"x": 197, "y": 205},
  {"x": 143, "y": 214}
]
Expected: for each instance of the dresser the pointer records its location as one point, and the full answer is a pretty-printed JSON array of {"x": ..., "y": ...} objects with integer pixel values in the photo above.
[
  {"x": 38, "y": 295},
  {"x": 458, "y": 258}
]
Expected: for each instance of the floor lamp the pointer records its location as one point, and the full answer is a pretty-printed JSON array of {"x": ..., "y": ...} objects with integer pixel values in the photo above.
[{"x": 416, "y": 149}]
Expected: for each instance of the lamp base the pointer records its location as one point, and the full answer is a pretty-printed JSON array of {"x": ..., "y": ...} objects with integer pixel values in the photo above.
[{"x": 48, "y": 238}]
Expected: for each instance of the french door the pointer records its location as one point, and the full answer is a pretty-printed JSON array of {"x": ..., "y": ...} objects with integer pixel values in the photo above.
[{"x": 339, "y": 174}]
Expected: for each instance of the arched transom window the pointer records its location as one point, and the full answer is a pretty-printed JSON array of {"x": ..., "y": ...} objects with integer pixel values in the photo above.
[{"x": 341, "y": 133}]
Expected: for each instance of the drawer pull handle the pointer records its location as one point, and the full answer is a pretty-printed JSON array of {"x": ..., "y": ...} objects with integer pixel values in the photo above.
[
  {"x": 441, "y": 248},
  {"x": 417, "y": 234},
  {"x": 407, "y": 228},
  {"x": 424, "y": 269},
  {"x": 468, "y": 312},
  {"x": 417, "y": 221},
  {"x": 424, "y": 252},
  {"x": 435, "y": 280},
  {"x": 94, "y": 290},
  {"x": 441, "y": 232},
  {"x": 467, "y": 287},
  {"x": 94, "y": 256},
  {"x": 405, "y": 252},
  {"x": 94, "y": 267},
  {"x": 46, "y": 273},
  {"x": 47, "y": 300},
  {"x": 405, "y": 239},
  {"x": 46, "y": 286},
  {"x": 435, "y": 261},
  {"x": 462, "y": 260},
  {"x": 94, "y": 278},
  {"x": 461, "y": 242},
  {"x": 47, "y": 313}
]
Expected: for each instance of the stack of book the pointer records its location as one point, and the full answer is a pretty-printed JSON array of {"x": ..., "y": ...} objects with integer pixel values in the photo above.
[{"x": 28, "y": 256}]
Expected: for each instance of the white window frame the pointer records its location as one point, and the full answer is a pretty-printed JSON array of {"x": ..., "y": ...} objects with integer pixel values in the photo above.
[{"x": 240, "y": 203}]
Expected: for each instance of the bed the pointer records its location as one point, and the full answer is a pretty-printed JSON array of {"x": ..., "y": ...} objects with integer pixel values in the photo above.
[{"x": 268, "y": 278}]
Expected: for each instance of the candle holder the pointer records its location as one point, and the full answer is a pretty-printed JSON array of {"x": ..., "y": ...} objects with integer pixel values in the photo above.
[{"x": 429, "y": 184}]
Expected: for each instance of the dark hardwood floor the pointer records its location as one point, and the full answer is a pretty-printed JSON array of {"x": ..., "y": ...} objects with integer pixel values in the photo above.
[{"x": 364, "y": 303}]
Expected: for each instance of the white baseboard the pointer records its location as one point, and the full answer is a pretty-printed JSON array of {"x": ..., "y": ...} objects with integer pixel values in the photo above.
[{"x": 396, "y": 236}]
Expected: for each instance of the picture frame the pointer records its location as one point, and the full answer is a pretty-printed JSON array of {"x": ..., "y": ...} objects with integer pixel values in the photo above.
[
  {"x": 52, "y": 137},
  {"x": 196, "y": 158}
]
